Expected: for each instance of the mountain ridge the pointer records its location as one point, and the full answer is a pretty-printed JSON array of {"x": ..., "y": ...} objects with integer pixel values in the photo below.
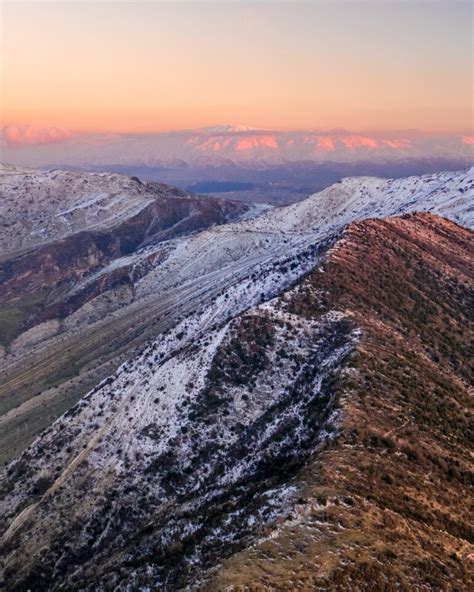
[
  {"x": 78, "y": 333},
  {"x": 326, "y": 340}
]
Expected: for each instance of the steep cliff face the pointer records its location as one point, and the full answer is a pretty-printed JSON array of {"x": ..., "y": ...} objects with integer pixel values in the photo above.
[{"x": 318, "y": 439}]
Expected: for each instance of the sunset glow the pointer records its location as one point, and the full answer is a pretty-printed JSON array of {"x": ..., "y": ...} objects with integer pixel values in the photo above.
[{"x": 146, "y": 67}]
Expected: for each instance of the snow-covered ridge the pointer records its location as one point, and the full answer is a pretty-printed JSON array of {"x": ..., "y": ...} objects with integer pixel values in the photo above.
[
  {"x": 449, "y": 194},
  {"x": 37, "y": 207},
  {"x": 161, "y": 408},
  {"x": 40, "y": 206},
  {"x": 229, "y": 252},
  {"x": 236, "y": 248}
]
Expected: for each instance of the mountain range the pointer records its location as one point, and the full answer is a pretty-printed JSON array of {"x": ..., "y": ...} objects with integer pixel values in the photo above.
[
  {"x": 242, "y": 162},
  {"x": 204, "y": 394},
  {"x": 227, "y": 143}
]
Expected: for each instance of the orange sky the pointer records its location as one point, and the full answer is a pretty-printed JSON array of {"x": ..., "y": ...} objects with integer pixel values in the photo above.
[{"x": 153, "y": 66}]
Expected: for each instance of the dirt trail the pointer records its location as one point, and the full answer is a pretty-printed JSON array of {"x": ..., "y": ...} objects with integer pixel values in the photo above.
[{"x": 397, "y": 429}]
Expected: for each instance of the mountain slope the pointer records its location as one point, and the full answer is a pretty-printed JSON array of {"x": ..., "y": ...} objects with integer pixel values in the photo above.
[
  {"x": 76, "y": 224},
  {"x": 385, "y": 507},
  {"x": 87, "y": 309},
  {"x": 40, "y": 207},
  {"x": 448, "y": 194},
  {"x": 317, "y": 439},
  {"x": 49, "y": 271}
]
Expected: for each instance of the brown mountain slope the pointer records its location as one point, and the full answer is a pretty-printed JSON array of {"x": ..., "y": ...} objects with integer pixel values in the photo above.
[{"x": 386, "y": 507}]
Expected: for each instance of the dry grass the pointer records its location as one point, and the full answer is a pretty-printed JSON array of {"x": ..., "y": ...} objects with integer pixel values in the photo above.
[{"x": 386, "y": 507}]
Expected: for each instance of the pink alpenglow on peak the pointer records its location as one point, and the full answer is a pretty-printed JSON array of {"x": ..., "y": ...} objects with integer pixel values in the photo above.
[
  {"x": 250, "y": 142},
  {"x": 235, "y": 141},
  {"x": 354, "y": 141},
  {"x": 214, "y": 144},
  {"x": 46, "y": 145},
  {"x": 321, "y": 143},
  {"x": 397, "y": 144}
]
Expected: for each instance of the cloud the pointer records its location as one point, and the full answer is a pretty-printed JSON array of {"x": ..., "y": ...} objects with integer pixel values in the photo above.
[
  {"x": 31, "y": 134},
  {"x": 469, "y": 140}
]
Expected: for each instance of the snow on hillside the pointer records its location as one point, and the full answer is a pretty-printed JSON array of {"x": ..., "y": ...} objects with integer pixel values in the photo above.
[
  {"x": 235, "y": 249},
  {"x": 186, "y": 426},
  {"x": 37, "y": 207},
  {"x": 251, "y": 261},
  {"x": 448, "y": 194},
  {"x": 170, "y": 406},
  {"x": 40, "y": 206},
  {"x": 226, "y": 254}
]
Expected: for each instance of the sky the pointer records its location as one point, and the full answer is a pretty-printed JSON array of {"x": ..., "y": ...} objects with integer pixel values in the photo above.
[{"x": 147, "y": 67}]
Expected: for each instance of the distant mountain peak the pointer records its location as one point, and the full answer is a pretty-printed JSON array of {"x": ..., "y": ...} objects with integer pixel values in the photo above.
[{"x": 230, "y": 128}]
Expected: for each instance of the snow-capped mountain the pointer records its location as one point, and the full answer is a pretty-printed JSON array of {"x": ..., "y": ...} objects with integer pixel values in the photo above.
[
  {"x": 234, "y": 143},
  {"x": 197, "y": 354},
  {"x": 447, "y": 194},
  {"x": 40, "y": 207}
]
